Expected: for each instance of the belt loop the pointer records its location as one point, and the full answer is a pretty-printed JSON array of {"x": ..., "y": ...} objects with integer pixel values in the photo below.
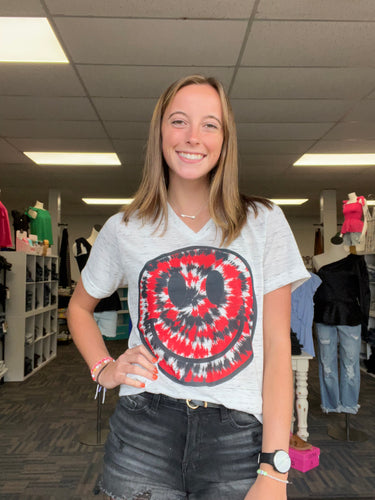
[
  {"x": 155, "y": 403},
  {"x": 224, "y": 413}
]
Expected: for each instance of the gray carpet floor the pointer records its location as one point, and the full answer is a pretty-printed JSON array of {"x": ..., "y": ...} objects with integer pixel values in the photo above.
[{"x": 44, "y": 422}]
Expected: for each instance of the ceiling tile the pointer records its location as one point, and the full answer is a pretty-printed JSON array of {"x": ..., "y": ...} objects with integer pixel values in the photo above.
[
  {"x": 363, "y": 111},
  {"x": 303, "y": 83},
  {"x": 135, "y": 147},
  {"x": 9, "y": 154},
  {"x": 20, "y": 8},
  {"x": 131, "y": 110},
  {"x": 51, "y": 129},
  {"x": 128, "y": 130},
  {"x": 274, "y": 147},
  {"x": 93, "y": 145},
  {"x": 215, "y": 9},
  {"x": 269, "y": 160},
  {"x": 40, "y": 80},
  {"x": 138, "y": 81},
  {"x": 309, "y": 44},
  {"x": 346, "y": 146},
  {"x": 152, "y": 42},
  {"x": 282, "y": 131},
  {"x": 63, "y": 108},
  {"x": 306, "y": 9},
  {"x": 352, "y": 130},
  {"x": 298, "y": 110}
]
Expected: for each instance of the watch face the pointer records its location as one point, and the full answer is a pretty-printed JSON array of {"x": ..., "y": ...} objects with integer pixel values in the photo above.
[{"x": 282, "y": 461}]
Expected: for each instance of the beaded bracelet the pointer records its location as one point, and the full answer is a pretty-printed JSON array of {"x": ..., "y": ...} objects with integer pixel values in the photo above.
[
  {"x": 262, "y": 472},
  {"x": 100, "y": 371},
  {"x": 97, "y": 365}
]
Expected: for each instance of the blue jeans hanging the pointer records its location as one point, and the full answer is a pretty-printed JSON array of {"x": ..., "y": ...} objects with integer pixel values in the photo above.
[{"x": 339, "y": 394}]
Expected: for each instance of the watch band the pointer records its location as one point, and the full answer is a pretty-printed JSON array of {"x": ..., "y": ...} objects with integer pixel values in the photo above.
[{"x": 266, "y": 458}]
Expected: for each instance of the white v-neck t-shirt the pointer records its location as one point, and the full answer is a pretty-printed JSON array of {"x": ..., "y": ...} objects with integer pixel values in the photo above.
[{"x": 195, "y": 305}]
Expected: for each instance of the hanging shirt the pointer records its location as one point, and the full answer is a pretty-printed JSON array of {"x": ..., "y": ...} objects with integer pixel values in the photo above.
[
  {"x": 5, "y": 236},
  {"x": 41, "y": 226},
  {"x": 343, "y": 298},
  {"x": 303, "y": 312}
]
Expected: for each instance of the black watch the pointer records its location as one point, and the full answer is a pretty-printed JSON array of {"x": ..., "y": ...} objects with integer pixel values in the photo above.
[{"x": 279, "y": 459}]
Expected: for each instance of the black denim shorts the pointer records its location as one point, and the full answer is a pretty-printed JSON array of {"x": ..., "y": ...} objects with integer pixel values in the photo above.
[{"x": 160, "y": 449}]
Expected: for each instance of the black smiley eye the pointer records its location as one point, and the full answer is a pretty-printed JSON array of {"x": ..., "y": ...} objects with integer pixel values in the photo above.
[
  {"x": 177, "y": 290},
  {"x": 215, "y": 287}
]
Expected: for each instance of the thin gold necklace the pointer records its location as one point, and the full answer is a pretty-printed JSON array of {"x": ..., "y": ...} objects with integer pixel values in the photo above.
[{"x": 192, "y": 217}]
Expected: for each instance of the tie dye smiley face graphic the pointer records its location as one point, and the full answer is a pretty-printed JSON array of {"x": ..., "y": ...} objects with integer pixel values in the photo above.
[{"x": 198, "y": 313}]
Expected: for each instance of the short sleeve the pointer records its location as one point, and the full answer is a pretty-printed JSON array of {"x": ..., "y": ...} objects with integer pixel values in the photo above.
[
  {"x": 282, "y": 263},
  {"x": 103, "y": 273}
]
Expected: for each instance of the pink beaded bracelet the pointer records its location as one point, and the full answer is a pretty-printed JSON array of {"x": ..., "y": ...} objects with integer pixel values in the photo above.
[{"x": 97, "y": 365}]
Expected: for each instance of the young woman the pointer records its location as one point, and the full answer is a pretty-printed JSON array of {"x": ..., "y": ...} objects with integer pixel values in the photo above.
[{"x": 206, "y": 383}]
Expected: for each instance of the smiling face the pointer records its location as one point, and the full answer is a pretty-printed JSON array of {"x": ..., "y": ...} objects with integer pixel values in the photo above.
[
  {"x": 192, "y": 132},
  {"x": 197, "y": 314}
]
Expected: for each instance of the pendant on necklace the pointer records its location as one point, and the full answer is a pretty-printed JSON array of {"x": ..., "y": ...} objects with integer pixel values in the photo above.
[{"x": 188, "y": 216}]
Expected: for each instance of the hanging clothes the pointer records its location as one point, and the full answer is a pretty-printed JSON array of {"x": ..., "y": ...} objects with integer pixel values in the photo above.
[
  {"x": 5, "y": 236},
  {"x": 318, "y": 244},
  {"x": 65, "y": 279},
  {"x": 303, "y": 312}
]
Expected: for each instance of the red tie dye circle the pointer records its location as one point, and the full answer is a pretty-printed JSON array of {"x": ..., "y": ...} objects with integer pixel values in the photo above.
[{"x": 197, "y": 314}]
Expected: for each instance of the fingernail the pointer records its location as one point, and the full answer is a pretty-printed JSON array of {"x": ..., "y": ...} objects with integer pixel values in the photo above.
[
  {"x": 154, "y": 360},
  {"x": 143, "y": 385},
  {"x": 155, "y": 376}
]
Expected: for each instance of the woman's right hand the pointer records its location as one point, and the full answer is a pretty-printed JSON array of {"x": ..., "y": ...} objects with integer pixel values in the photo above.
[{"x": 135, "y": 361}]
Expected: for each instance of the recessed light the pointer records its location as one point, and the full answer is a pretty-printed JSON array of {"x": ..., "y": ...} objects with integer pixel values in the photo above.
[
  {"x": 289, "y": 201},
  {"x": 320, "y": 160},
  {"x": 107, "y": 201},
  {"x": 66, "y": 158},
  {"x": 29, "y": 40}
]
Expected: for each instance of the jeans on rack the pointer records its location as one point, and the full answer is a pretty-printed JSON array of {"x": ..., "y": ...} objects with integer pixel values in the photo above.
[{"x": 339, "y": 394}]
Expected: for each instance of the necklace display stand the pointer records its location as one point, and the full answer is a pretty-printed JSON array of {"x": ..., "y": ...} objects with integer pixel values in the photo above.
[
  {"x": 345, "y": 432},
  {"x": 98, "y": 437}
]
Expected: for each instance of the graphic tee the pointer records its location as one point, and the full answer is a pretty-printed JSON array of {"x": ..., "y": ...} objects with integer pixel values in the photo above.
[{"x": 195, "y": 305}]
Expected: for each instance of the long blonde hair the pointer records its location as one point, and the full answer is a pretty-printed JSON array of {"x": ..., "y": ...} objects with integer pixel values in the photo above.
[{"x": 227, "y": 207}]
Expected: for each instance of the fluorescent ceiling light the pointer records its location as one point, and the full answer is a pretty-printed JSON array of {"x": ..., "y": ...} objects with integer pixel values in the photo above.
[
  {"x": 370, "y": 203},
  {"x": 29, "y": 39},
  {"x": 63, "y": 158},
  {"x": 107, "y": 201},
  {"x": 318, "y": 160},
  {"x": 289, "y": 201}
]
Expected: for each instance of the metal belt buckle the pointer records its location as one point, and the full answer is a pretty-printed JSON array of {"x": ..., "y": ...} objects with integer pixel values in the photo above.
[{"x": 194, "y": 407}]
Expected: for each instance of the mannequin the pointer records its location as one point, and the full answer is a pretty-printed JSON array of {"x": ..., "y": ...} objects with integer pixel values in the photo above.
[
  {"x": 90, "y": 239},
  {"x": 341, "y": 309},
  {"x": 105, "y": 313},
  {"x": 354, "y": 229},
  {"x": 40, "y": 222},
  {"x": 333, "y": 254}
]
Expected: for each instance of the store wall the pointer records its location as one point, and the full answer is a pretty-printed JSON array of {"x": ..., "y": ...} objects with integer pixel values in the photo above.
[{"x": 302, "y": 227}]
